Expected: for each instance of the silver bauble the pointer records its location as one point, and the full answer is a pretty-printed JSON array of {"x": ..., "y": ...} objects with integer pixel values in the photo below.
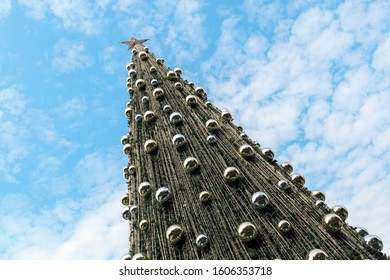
[{"x": 260, "y": 200}]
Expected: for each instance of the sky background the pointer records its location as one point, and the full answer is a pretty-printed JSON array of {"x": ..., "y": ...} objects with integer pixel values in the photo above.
[{"x": 308, "y": 79}]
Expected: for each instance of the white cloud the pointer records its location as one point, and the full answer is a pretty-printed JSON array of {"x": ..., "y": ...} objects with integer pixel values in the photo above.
[
  {"x": 72, "y": 108},
  {"x": 381, "y": 56},
  {"x": 83, "y": 15},
  {"x": 86, "y": 227},
  {"x": 35, "y": 8},
  {"x": 100, "y": 234},
  {"x": 110, "y": 64},
  {"x": 25, "y": 131},
  {"x": 12, "y": 134},
  {"x": 5, "y": 9},
  {"x": 69, "y": 56}
]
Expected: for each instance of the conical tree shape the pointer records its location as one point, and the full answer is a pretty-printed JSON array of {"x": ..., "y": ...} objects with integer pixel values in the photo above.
[{"x": 199, "y": 188}]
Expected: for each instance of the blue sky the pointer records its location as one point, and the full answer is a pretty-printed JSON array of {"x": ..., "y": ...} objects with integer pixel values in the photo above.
[{"x": 309, "y": 79}]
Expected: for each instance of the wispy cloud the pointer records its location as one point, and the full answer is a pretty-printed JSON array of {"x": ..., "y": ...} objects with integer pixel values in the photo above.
[
  {"x": 72, "y": 108},
  {"x": 12, "y": 134},
  {"x": 73, "y": 227},
  {"x": 111, "y": 65},
  {"x": 5, "y": 9},
  {"x": 26, "y": 130},
  {"x": 69, "y": 56},
  {"x": 35, "y": 8},
  {"x": 82, "y": 16}
]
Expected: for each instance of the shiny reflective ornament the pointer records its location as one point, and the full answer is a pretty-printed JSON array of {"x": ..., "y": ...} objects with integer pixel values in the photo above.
[
  {"x": 149, "y": 116},
  {"x": 298, "y": 179},
  {"x": 143, "y": 225},
  {"x": 125, "y": 169},
  {"x": 190, "y": 164},
  {"x": 191, "y": 84},
  {"x": 317, "y": 254},
  {"x": 142, "y": 55},
  {"x": 178, "y": 71},
  {"x": 226, "y": 115},
  {"x": 174, "y": 234},
  {"x": 154, "y": 82},
  {"x": 126, "y": 213},
  {"x": 127, "y": 149},
  {"x": 373, "y": 243},
  {"x": 132, "y": 169},
  {"x": 167, "y": 109},
  {"x": 130, "y": 90},
  {"x": 201, "y": 241},
  {"x": 124, "y": 139},
  {"x": 130, "y": 66},
  {"x": 127, "y": 113},
  {"x": 231, "y": 174},
  {"x": 132, "y": 73},
  {"x": 319, "y": 195},
  {"x": 199, "y": 91},
  {"x": 140, "y": 84},
  {"x": 134, "y": 51},
  {"x": 178, "y": 86},
  {"x": 284, "y": 226},
  {"x": 191, "y": 100},
  {"x": 260, "y": 200},
  {"x": 125, "y": 200},
  {"x": 247, "y": 231},
  {"x": 163, "y": 195},
  {"x": 144, "y": 189},
  {"x": 320, "y": 204},
  {"x": 175, "y": 118},
  {"x": 243, "y": 135},
  {"x": 145, "y": 100},
  {"x": 150, "y": 146},
  {"x": 138, "y": 117},
  {"x": 283, "y": 185},
  {"x": 139, "y": 257},
  {"x": 146, "y": 49},
  {"x": 126, "y": 257},
  {"x": 287, "y": 167},
  {"x": 207, "y": 103},
  {"x": 158, "y": 93},
  {"x": 126, "y": 176},
  {"x": 332, "y": 223},
  {"x": 133, "y": 209},
  {"x": 212, "y": 125},
  {"x": 128, "y": 84},
  {"x": 171, "y": 75},
  {"x": 153, "y": 70},
  {"x": 211, "y": 139},
  {"x": 128, "y": 105},
  {"x": 268, "y": 154},
  {"x": 246, "y": 151},
  {"x": 340, "y": 211},
  {"x": 205, "y": 197},
  {"x": 179, "y": 140},
  {"x": 128, "y": 80},
  {"x": 160, "y": 60},
  {"x": 361, "y": 231}
]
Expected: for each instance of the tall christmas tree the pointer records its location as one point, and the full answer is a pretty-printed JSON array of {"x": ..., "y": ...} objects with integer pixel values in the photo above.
[{"x": 200, "y": 188}]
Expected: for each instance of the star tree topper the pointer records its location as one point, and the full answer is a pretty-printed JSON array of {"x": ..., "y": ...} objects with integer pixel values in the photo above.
[{"x": 133, "y": 41}]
